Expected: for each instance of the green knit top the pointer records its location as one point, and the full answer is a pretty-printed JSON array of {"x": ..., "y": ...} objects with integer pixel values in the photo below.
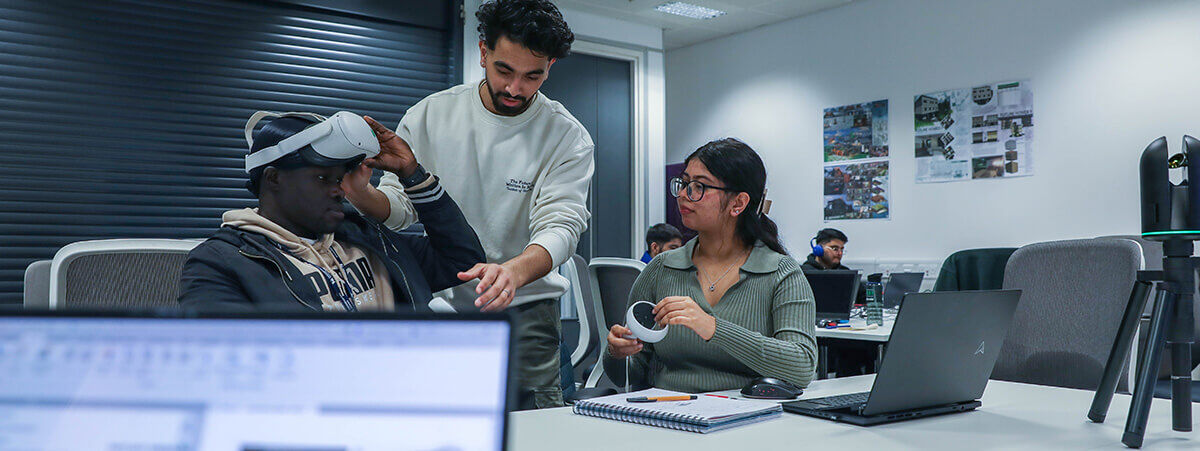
[{"x": 765, "y": 326}]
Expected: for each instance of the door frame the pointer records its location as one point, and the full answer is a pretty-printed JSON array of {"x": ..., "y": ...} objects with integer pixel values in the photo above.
[{"x": 640, "y": 146}]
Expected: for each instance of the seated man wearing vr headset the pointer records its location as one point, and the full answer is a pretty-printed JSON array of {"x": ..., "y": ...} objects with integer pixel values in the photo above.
[{"x": 302, "y": 250}]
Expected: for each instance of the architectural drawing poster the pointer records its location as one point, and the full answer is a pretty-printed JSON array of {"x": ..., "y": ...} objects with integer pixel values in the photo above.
[{"x": 975, "y": 133}]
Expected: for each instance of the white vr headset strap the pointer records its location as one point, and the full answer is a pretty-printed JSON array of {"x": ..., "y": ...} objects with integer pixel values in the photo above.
[{"x": 289, "y": 145}]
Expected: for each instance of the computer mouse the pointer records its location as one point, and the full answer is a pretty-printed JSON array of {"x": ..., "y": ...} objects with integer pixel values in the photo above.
[{"x": 771, "y": 388}]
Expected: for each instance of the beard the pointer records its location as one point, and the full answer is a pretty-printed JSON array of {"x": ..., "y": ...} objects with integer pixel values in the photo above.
[{"x": 500, "y": 106}]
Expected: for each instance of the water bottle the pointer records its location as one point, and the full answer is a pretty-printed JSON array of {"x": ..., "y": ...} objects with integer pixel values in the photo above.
[{"x": 875, "y": 303}]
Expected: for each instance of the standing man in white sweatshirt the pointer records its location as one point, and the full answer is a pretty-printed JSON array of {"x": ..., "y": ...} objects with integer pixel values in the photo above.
[{"x": 520, "y": 166}]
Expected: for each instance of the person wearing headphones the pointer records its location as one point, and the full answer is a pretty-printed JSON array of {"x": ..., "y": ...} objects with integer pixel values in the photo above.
[
  {"x": 828, "y": 248},
  {"x": 845, "y": 359},
  {"x": 737, "y": 306},
  {"x": 301, "y": 250},
  {"x": 661, "y": 238}
]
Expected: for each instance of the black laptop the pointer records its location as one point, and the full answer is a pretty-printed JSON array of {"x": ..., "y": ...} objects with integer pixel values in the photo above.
[
  {"x": 834, "y": 291},
  {"x": 939, "y": 357},
  {"x": 900, "y": 284}
]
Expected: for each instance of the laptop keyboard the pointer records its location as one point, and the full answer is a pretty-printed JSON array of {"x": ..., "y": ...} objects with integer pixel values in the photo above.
[{"x": 840, "y": 401}]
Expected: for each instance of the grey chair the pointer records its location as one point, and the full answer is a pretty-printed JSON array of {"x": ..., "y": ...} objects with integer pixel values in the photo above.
[
  {"x": 1073, "y": 297},
  {"x": 583, "y": 293},
  {"x": 37, "y": 286},
  {"x": 613, "y": 278},
  {"x": 123, "y": 274}
]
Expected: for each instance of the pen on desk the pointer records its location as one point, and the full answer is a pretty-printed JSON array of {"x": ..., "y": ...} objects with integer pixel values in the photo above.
[
  {"x": 719, "y": 396},
  {"x": 661, "y": 398}
]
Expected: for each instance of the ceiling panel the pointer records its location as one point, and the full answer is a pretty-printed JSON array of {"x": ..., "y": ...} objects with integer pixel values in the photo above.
[{"x": 741, "y": 15}]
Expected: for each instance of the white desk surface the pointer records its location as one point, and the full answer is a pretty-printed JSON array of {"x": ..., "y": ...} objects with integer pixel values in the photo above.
[
  {"x": 1013, "y": 416},
  {"x": 881, "y": 334}
]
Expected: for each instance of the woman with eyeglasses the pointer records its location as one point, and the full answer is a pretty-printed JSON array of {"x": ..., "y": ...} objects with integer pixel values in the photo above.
[{"x": 737, "y": 305}]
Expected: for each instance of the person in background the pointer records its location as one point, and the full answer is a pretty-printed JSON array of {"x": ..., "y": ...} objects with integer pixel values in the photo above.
[
  {"x": 660, "y": 238},
  {"x": 845, "y": 358},
  {"x": 520, "y": 165},
  {"x": 833, "y": 244},
  {"x": 738, "y": 306},
  {"x": 300, "y": 250}
]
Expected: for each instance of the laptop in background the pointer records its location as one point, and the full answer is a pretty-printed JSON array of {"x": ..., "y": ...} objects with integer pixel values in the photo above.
[
  {"x": 899, "y": 284},
  {"x": 939, "y": 357},
  {"x": 344, "y": 382},
  {"x": 834, "y": 291}
]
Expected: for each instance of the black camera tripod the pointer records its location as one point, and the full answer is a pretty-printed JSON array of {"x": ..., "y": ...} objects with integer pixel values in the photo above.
[
  {"x": 1171, "y": 325},
  {"x": 1171, "y": 214}
]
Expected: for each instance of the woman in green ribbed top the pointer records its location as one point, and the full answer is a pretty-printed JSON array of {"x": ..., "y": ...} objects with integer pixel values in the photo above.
[{"x": 738, "y": 306}]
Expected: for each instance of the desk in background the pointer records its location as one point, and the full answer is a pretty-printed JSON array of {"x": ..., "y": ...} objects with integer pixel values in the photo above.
[
  {"x": 1013, "y": 416},
  {"x": 878, "y": 336}
]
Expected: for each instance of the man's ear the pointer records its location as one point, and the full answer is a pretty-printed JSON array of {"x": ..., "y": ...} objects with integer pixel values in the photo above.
[
  {"x": 269, "y": 180},
  {"x": 655, "y": 248},
  {"x": 483, "y": 51}
]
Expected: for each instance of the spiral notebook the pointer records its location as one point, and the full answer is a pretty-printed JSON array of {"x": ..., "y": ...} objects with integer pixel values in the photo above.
[{"x": 703, "y": 414}]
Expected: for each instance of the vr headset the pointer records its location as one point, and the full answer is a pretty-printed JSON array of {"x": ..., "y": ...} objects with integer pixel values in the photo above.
[{"x": 342, "y": 139}]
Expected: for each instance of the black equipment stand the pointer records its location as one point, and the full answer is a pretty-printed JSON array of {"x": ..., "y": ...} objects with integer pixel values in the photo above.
[
  {"x": 1171, "y": 325},
  {"x": 1171, "y": 214}
]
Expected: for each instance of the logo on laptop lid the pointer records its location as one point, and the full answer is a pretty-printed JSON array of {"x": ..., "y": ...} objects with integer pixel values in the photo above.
[{"x": 980, "y": 350}]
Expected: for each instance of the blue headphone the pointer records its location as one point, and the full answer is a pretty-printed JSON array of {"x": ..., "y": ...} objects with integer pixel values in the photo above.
[{"x": 817, "y": 249}]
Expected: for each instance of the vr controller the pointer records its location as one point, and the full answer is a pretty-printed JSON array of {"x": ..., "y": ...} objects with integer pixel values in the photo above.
[{"x": 640, "y": 321}]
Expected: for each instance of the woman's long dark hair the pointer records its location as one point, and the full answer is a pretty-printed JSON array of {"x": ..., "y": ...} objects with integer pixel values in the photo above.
[{"x": 737, "y": 166}]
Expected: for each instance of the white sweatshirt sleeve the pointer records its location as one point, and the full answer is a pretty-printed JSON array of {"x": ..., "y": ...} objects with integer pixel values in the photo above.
[
  {"x": 559, "y": 213},
  {"x": 403, "y": 214}
]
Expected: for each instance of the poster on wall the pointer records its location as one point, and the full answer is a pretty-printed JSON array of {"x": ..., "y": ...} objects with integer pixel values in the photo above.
[
  {"x": 855, "y": 150},
  {"x": 858, "y": 190},
  {"x": 974, "y": 133},
  {"x": 858, "y": 131}
]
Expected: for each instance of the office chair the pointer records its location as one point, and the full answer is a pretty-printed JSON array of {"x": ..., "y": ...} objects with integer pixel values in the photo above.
[
  {"x": 1073, "y": 296},
  {"x": 583, "y": 295},
  {"x": 118, "y": 274},
  {"x": 37, "y": 286},
  {"x": 613, "y": 278},
  {"x": 973, "y": 269}
]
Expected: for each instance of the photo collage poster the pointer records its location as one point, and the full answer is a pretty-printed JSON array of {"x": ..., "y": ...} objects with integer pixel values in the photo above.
[
  {"x": 976, "y": 133},
  {"x": 856, "y": 161}
]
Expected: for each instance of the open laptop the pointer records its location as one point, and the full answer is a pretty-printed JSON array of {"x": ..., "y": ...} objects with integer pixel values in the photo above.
[
  {"x": 900, "y": 284},
  {"x": 345, "y": 382},
  {"x": 939, "y": 357},
  {"x": 834, "y": 291}
]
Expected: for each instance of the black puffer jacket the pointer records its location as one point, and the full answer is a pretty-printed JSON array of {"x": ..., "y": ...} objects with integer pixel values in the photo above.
[{"x": 240, "y": 270}]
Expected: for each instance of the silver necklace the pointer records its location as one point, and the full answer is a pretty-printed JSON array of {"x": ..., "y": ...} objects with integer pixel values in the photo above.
[{"x": 713, "y": 286}]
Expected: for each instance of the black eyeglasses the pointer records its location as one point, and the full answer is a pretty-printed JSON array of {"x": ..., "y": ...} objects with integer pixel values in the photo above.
[{"x": 695, "y": 189}]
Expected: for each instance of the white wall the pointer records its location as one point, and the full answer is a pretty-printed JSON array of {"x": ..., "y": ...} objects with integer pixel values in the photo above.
[{"x": 1108, "y": 76}]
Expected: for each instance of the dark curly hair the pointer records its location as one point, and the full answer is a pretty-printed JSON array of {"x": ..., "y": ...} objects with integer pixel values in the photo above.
[
  {"x": 535, "y": 24},
  {"x": 740, "y": 169}
]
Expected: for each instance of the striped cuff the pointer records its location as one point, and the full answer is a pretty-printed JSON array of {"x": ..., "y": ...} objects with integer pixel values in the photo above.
[
  {"x": 730, "y": 336},
  {"x": 425, "y": 192}
]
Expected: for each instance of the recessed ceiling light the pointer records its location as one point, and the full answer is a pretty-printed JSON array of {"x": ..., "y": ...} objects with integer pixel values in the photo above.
[{"x": 689, "y": 10}]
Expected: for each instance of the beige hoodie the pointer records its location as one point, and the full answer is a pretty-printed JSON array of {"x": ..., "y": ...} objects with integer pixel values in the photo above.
[{"x": 364, "y": 273}]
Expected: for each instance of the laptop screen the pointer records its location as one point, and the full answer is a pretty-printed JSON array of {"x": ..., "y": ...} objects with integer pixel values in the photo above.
[
  {"x": 252, "y": 384},
  {"x": 834, "y": 292},
  {"x": 899, "y": 284}
]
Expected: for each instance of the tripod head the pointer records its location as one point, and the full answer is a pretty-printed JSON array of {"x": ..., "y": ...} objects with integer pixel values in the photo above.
[{"x": 1167, "y": 208}]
